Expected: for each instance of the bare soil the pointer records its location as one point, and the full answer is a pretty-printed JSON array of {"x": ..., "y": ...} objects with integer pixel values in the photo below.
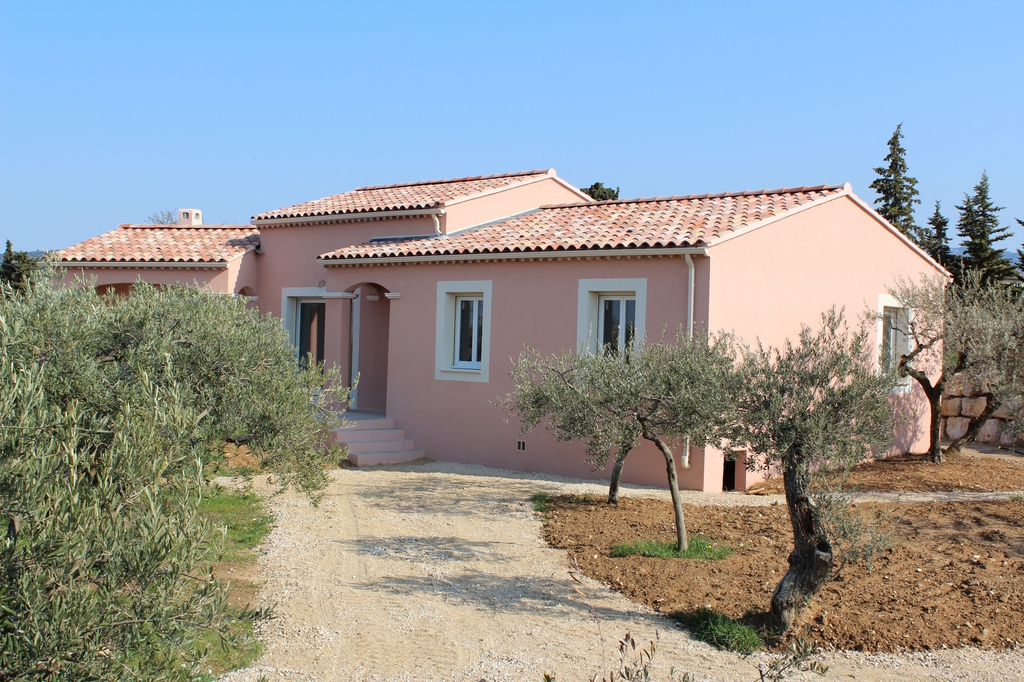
[
  {"x": 970, "y": 471},
  {"x": 954, "y": 576}
]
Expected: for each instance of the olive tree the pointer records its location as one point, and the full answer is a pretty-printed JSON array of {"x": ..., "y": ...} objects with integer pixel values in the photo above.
[
  {"x": 108, "y": 408},
  {"x": 611, "y": 400},
  {"x": 971, "y": 331},
  {"x": 817, "y": 403}
]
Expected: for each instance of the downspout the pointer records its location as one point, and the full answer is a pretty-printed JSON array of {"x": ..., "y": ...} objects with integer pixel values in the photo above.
[
  {"x": 437, "y": 222},
  {"x": 684, "y": 458}
]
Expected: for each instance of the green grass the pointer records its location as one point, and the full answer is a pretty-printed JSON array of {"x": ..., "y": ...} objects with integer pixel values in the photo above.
[
  {"x": 698, "y": 548},
  {"x": 719, "y": 630},
  {"x": 245, "y": 517},
  {"x": 541, "y": 502},
  {"x": 1017, "y": 498},
  {"x": 220, "y": 659}
]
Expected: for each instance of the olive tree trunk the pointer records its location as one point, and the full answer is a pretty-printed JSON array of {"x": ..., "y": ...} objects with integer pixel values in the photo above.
[
  {"x": 682, "y": 544},
  {"x": 810, "y": 562},
  {"x": 613, "y": 486}
]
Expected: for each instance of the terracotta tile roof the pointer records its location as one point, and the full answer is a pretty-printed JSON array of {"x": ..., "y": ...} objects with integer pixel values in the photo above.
[
  {"x": 694, "y": 220},
  {"x": 401, "y": 196},
  {"x": 165, "y": 243}
]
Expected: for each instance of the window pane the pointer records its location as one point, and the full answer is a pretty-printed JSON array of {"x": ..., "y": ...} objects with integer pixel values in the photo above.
[
  {"x": 889, "y": 347},
  {"x": 479, "y": 331},
  {"x": 610, "y": 330},
  {"x": 630, "y": 321},
  {"x": 464, "y": 350}
]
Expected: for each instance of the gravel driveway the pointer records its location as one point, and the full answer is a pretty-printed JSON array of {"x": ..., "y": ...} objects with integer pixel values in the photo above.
[{"x": 437, "y": 571}]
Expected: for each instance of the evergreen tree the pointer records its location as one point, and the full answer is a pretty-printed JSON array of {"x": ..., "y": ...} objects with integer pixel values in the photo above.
[
  {"x": 936, "y": 241},
  {"x": 1020, "y": 255},
  {"x": 601, "y": 193},
  {"x": 979, "y": 226},
  {"x": 17, "y": 266},
  {"x": 896, "y": 190}
]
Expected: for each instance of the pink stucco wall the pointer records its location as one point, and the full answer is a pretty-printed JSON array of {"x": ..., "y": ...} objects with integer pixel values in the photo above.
[
  {"x": 768, "y": 282},
  {"x": 535, "y": 304}
]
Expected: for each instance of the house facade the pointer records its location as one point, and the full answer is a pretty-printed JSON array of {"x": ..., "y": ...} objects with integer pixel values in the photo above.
[{"x": 426, "y": 291}]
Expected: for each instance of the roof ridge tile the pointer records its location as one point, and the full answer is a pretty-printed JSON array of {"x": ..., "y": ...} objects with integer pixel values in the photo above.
[{"x": 445, "y": 181}]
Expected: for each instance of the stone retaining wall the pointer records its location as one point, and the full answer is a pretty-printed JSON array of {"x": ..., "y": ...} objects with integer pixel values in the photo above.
[{"x": 963, "y": 400}]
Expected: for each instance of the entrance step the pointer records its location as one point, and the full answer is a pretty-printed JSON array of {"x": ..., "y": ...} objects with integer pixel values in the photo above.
[{"x": 375, "y": 440}]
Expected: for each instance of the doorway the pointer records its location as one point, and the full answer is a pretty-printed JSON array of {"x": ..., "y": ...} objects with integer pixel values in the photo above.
[
  {"x": 370, "y": 331},
  {"x": 311, "y": 331}
]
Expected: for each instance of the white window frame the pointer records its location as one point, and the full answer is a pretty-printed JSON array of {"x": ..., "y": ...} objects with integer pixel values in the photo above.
[
  {"x": 475, "y": 340},
  {"x": 445, "y": 332},
  {"x": 588, "y": 312},
  {"x": 889, "y": 302},
  {"x": 622, "y": 299}
]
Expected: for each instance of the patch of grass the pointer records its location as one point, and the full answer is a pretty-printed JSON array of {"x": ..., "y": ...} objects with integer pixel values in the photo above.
[
  {"x": 220, "y": 659},
  {"x": 244, "y": 515},
  {"x": 698, "y": 548},
  {"x": 1017, "y": 498},
  {"x": 718, "y": 629},
  {"x": 541, "y": 502}
]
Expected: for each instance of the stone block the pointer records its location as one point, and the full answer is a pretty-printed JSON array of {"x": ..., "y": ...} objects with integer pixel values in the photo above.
[
  {"x": 956, "y": 427},
  {"x": 954, "y": 386},
  {"x": 1002, "y": 413},
  {"x": 973, "y": 407},
  {"x": 951, "y": 407},
  {"x": 991, "y": 431},
  {"x": 942, "y": 429}
]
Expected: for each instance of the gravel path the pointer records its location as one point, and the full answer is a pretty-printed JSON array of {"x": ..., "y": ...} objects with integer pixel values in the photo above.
[{"x": 437, "y": 571}]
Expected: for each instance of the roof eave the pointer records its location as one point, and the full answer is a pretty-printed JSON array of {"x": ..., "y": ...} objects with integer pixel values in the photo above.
[
  {"x": 361, "y": 216},
  {"x": 518, "y": 255}
]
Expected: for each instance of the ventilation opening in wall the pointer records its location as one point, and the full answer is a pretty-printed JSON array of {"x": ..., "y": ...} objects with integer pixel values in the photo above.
[{"x": 520, "y": 445}]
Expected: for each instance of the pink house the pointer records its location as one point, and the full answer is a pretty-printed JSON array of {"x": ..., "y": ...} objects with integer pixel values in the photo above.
[{"x": 427, "y": 290}]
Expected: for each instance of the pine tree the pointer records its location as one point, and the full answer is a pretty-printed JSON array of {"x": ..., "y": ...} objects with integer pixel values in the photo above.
[
  {"x": 17, "y": 266},
  {"x": 601, "y": 193},
  {"x": 936, "y": 241},
  {"x": 896, "y": 190},
  {"x": 980, "y": 229},
  {"x": 1020, "y": 255}
]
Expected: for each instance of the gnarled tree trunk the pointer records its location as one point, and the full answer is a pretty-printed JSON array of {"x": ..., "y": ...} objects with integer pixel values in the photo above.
[{"x": 810, "y": 562}]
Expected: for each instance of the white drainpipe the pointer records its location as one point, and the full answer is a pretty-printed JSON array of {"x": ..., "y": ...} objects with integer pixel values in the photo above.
[{"x": 684, "y": 458}]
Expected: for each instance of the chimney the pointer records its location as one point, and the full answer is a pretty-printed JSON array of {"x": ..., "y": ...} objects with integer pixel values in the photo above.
[{"x": 189, "y": 217}]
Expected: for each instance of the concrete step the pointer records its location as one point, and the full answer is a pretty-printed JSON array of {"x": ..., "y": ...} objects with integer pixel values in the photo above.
[
  {"x": 368, "y": 446},
  {"x": 369, "y": 459},
  {"x": 365, "y": 424},
  {"x": 358, "y": 436}
]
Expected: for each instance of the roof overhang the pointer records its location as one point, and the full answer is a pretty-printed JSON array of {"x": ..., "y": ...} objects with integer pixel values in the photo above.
[
  {"x": 346, "y": 217},
  {"x": 519, "y": 255},
  {"x": 180, "y": 265}
]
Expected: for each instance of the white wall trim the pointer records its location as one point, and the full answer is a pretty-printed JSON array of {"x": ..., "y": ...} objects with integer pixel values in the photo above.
[
  {"x": 889, "y": 301},
  {"x": 344, "y": 217},
  {"x": 290, "y": 297},
  {"x": 444, "y": 331},
  {"x": 174, "y": 265},
  {"x": 588, "y": 309}
]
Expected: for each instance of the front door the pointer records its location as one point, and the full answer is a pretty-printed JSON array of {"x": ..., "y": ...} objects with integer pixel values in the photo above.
[{"x": 311, "y": 331}]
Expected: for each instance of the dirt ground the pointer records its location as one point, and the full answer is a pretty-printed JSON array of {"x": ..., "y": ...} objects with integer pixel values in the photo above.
[
  {"x": 971, "y": 471},
  {"x": 954, "y": 576},
  {"x": 438, "y": 571}
]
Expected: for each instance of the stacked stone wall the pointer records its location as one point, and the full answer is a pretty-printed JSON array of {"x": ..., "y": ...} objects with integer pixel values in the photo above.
[{"x": 964, "y": 399}]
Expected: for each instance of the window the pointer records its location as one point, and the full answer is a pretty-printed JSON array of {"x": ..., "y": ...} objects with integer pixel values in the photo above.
[
  {"x": 617, "y": 322},
  {"x": 894, "y": 337},
  {"x": 610, "y": 313},
  {"x": 463, "y": 331},
  {"x": 469, "y": 336}
]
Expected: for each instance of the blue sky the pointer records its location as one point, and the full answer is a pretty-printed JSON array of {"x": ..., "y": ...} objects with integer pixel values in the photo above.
[{"x": 110, "y": 111}]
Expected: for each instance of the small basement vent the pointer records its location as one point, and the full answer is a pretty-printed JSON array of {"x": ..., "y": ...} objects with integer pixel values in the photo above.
[
  {"x": 520, "y": 445},
  {"x": 189, "y": 217}
]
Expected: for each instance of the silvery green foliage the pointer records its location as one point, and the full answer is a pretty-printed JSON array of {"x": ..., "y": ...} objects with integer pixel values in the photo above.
[
  {"x": 819, "y": 400},
  {"x": 602, "y": 399},
  {"x": 108, "y": 407}
]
